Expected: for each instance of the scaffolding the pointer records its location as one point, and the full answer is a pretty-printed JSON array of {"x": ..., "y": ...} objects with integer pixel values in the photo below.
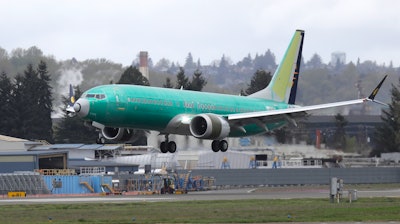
[
  {"x": 29, "y": 182},
  {"x": 54, "y": 172},
  {"x": 148, "y": 183}
]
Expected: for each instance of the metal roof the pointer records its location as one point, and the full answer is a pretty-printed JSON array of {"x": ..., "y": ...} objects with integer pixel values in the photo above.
[
  {"x": 97, "y": 163},
  {"x": 30, "y": 153},
  {"x": 76, "y": 146}
]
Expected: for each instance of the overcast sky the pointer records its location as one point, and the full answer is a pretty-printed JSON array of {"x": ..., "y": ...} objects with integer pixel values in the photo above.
[{"x": 118, "y": 30}]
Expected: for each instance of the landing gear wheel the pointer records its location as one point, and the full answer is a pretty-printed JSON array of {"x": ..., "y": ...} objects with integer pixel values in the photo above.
[
  {"x": 163, "y": 147},
  {"x": 223, "y": 146},
  {"x": 214, "y": 145},
  {"x": 101, "y": 140},
  {"x": 171, "y": 147}
]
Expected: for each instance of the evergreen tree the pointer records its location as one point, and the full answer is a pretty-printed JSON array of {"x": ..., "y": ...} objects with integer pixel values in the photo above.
[
  {"x": 168, "y": 83},
  {"x": 223, "y": 66},
  {"x": 339, "y": 136},
  {"x": 189, "y": 63},
  {"x": 73, "y": 129},
  {"x": 246, "y": 62},
  {"x": 132, "y": 75},
  {"x": 387, "y": 135},
  {"x": 45, "y": 105},
  {"x": 32, "y": 104},
  {"x": 7, "y": 112},
  {"x": 315, "y": 61},
  {"x": 181, "y": 80},
  {"x": 29, "y": 96},
  {"x": 266, "y": 61},
  {"x": 19, "y": 107},
  {"x": 198, "y": 82},
  {"x": 259, "y": 81}
]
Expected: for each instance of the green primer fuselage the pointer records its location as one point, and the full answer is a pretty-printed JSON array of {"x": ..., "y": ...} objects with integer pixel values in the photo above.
[{"x": 153, "y": 108}]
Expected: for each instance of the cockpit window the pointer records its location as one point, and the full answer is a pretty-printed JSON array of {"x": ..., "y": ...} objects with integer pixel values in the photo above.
[
  {"x": 93, "y": 95},
  {"x": 100, "y": 96}
]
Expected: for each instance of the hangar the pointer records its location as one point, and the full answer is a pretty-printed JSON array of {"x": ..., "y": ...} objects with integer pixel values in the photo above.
[
  {"x": 23, "y": 155},
  {"x": 32, "y": 160}
]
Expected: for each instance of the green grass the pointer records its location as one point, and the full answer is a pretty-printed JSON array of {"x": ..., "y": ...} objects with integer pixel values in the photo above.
[{"x": 235, "y": 211}]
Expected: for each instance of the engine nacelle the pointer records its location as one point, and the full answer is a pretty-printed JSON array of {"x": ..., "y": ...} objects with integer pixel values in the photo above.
[
  {"x": 117, "y": 134},
  {"x": 209, "y": 126}
]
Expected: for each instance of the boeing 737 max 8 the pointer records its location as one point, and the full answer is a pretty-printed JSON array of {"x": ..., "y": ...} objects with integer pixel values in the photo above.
[{"x": 117, "y": 109}]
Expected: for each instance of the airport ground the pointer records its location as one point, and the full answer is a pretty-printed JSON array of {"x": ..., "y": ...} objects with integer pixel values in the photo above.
[
  {"x": 282, "y": 192},
  {"x": 254, "y": 205}
]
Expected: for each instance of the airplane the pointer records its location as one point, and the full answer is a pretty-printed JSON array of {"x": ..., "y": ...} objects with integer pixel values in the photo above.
[{"x": 117, "y": 109}]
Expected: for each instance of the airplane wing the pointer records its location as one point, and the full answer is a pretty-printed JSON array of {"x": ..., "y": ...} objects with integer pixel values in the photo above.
[{"x": 298, "y": 109}]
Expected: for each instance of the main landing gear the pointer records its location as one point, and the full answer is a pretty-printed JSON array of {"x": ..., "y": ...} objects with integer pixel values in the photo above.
[
  {"x": 101, "y": 139},
  {"x": 219, "y": 145},
  {"x": 170, "y": 146},
  {"x": 167, "y": 146}
]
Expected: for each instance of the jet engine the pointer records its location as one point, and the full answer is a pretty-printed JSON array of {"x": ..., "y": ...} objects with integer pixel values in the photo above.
[
  {"x": 117, "y": 134},
  {"x": 209, "y": 126}
]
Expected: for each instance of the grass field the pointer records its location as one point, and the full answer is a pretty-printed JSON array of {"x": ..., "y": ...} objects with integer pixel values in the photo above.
[{"x": 235, "y": 211}]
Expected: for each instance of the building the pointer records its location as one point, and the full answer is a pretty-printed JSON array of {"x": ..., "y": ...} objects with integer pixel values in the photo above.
[
  {"x": 338, "y": 57},
  {"x": 143, "y": 63}
]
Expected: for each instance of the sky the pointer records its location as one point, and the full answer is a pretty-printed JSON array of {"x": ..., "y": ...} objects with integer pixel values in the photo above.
[{"x": 118, "y": 30}]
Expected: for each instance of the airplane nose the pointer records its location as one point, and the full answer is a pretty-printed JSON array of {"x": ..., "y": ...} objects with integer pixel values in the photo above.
[{"x": 81, "y": 107}]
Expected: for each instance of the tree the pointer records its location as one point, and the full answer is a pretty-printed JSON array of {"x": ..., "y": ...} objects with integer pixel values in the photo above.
[
  {"x": 181, "y": 80},
  {"x": 259, "y": 81},
  {"x": 315, "y": 61},
  {"x": 168, "y": 83},
  {"x": 189, "y": 62},
  {"x": 7, "y": 112},
  {"x": 29, "y": 114},
  {"x": 163, "y": 65},
  {"x": 73, "y": 129},
  {"x": 339, "y": 137},
  {"x": 266, "y": 61},
  {"x": 223, "y": 66},
  {"x": 45, "y": 105},
  {"x": 198, "y": 82},
  {"x": 387, "y": 135},
  {"x": 33, "y": 104},
  {"x": 246, "y": 62},
  {"x": 132, "y": 75}
]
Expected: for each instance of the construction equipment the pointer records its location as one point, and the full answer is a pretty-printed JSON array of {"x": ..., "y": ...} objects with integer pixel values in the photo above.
[{"x": 183, "y": 183}]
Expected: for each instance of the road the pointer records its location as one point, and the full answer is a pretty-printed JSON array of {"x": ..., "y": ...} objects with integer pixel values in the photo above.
[{"x": 231, "y": 194}]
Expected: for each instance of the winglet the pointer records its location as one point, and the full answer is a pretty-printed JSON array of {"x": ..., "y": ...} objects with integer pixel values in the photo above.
[{"x": 376, "y": 90}]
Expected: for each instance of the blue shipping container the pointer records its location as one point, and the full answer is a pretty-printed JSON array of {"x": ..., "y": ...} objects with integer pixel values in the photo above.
[{"x": 77, "y": 184}]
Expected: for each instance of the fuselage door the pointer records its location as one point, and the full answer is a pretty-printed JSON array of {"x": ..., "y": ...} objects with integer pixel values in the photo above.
[{"x": 116, "y": 105}]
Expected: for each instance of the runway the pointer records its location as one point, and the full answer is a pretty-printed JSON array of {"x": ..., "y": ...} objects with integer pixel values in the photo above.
[{"x": 231, "y": 194}]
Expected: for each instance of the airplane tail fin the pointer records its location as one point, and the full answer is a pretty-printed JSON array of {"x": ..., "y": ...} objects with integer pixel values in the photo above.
[
  {"x": 71, "y": 101},
  {"x": 283, "y": 86}
]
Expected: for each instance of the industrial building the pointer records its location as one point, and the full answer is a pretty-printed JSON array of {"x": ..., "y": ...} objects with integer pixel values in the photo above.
[{"x": 40, "y": 168}]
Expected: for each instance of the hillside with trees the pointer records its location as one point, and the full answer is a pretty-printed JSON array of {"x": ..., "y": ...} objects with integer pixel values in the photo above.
[{"x": 32, "y": 84}]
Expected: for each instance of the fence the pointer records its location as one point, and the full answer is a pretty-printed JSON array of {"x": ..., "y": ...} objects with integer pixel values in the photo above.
[{"x": 301, "y": 176}]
